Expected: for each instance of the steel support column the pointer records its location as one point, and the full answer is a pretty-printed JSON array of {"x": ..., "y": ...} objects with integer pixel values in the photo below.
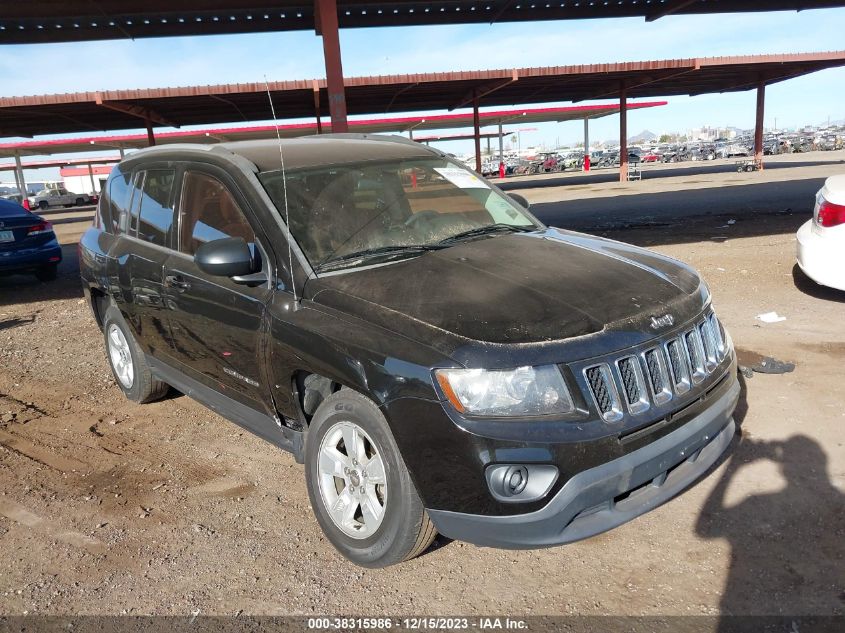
[
  {"x": 501, "y": 144},
  {"x": 17, "y": 182},
  {"x": 91, "y": 178},
  {"x": 586, "y": 144},
  {"x": 21, "y": 179},
  {"x": 623, "y": 133},
  {"x": 122, "y": 153},
  {"x": 316, "y": 87},
  {"x": 758, "y": 127},
  {"x": 476, "y": 125},
  {"x": 327, "y": 27},
  {"x": 151, "y": 137}
]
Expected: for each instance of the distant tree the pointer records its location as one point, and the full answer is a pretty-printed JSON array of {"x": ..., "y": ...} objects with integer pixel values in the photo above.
[{"x": 665, "y": 138}]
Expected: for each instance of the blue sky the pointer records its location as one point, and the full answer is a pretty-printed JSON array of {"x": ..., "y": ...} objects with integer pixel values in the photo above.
[{"x": 35, "y": 69}]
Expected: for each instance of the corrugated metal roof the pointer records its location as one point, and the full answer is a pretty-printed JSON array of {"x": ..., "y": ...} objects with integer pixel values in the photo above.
[
  {"x": 382, "y": 125},
  {"x": 78, "y": 20},
  {"x": 209, "y": 105}
]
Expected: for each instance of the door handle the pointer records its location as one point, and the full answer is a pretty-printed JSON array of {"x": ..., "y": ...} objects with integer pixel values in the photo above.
[{"x": 176, "y": 281}]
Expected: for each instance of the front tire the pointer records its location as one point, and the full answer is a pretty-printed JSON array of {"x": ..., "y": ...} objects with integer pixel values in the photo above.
[
  {"x": 128, "y": 361},
  {"x": 359, "y": 486}
]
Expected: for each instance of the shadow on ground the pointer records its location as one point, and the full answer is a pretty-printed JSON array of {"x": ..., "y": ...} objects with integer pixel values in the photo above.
[
  {"x": 25, "y": 288},
  {"x": 690, "y": 215},
  {"x": 811, "y": 288}
]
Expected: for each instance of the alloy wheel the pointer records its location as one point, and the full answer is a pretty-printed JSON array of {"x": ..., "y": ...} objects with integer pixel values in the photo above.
[
  {"x": 120, "y": 356},
  {"x": 352, "y": 480}
]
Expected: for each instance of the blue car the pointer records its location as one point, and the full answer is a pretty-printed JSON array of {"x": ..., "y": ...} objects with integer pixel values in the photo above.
[{"x": 27, "y": 243}]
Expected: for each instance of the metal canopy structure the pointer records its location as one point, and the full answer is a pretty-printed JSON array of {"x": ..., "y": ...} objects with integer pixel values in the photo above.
[
  {"x": 409, "y": 125},
  {"x": 78, "y": 20},
  {"x": 208, "y": 105}
]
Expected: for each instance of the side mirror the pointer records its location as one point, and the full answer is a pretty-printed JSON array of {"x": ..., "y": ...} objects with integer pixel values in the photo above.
[
  {"x": 520, "y": 200},
  {"x": 229, "y": 257}
]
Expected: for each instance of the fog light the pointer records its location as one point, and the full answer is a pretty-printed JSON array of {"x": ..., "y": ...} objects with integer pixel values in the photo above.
[
  {"x": 512, "y": 483},
  {"x": 515, "y": 480}
]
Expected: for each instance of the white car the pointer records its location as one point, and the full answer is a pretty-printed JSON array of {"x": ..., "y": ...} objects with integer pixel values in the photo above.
[
  {"x": 821, "y": 241},
  {"x": 59, "y": 197}
]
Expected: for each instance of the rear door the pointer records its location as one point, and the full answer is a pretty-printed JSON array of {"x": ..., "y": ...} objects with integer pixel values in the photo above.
[
  {"x": 217, "y": 323},
  {"x": 144, "y": 248}
]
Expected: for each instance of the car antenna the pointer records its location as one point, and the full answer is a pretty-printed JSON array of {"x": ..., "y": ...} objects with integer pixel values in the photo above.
[{"x": 285, "y": 193}]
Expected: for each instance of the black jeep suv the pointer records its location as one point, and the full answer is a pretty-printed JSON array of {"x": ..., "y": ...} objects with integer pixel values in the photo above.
[{"x": 438, "y": 359}]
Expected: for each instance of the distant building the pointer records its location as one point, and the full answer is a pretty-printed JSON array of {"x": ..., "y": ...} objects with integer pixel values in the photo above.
[
  {"x": 710, "y": 134},
  {"x": 80, "y": 180}
]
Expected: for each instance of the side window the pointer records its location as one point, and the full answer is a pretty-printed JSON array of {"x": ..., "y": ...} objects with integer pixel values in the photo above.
[
  {"x": 156, "y": 208},
  {"x": 137, "y": 183},
  {"x": 119, "y": 195},
  {"x": 209, "y": 212}
]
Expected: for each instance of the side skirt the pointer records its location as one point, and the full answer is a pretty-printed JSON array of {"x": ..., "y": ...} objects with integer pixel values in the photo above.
[{"x": 253, "y": 421}]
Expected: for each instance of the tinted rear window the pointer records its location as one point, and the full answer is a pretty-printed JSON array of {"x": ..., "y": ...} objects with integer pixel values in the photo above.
[
  {"x": 157, "y": 207},
  {"x": 119, "y": 195}
]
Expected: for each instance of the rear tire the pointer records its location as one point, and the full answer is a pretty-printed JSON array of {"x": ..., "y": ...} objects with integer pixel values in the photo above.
[
  {"x": 128, "y": 361},
  {"x": 47, "y": 273},
  {"x": 378, "y": 518},
  {"x": 43, "y": 205},
  {"x": 80, "y": 202}
]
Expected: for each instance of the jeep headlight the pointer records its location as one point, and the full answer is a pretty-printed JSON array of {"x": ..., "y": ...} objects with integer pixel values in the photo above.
[{"x": 524, "y": 391}]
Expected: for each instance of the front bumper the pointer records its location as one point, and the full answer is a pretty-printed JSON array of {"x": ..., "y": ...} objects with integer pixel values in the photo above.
[
  {"x": 605, "y": 496},
  {"x": 820, "y": 257}
]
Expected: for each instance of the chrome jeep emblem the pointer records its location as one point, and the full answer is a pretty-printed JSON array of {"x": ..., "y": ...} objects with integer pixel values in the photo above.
[{"x": 667, "y": 320}]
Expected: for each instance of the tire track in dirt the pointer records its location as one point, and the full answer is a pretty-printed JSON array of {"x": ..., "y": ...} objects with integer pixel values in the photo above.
[{"x": 25, "y": 518}]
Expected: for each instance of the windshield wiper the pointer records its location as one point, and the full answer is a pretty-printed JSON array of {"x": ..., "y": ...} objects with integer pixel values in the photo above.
[
  {"x": 487, "y": 230},
  {"x": 386, "y": 252}
]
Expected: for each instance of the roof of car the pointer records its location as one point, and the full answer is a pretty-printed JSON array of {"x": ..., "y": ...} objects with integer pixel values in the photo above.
[{"x": 310, "y": 151}]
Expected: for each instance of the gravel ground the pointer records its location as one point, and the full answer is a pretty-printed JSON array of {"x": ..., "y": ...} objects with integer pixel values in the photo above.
[{"x": 107, "y": 507}]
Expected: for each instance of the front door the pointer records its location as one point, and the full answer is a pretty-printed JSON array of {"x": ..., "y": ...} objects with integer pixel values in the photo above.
[{"x": 216, "y": 323}]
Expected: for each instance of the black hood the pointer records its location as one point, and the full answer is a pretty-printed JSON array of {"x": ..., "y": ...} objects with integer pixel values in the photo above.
[{"x": 520, "y": 290}]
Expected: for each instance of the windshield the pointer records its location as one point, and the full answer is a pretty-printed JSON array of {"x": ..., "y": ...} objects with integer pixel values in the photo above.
[{"x": 388, "y": 209}]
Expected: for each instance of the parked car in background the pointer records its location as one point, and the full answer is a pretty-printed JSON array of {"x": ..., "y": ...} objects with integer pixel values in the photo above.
[
  {"x": 573, "y": 160},
  {"x": 27, "y": 243},
  {"x": 59, "y": 198},
  {"x": 438, "y": 359},
  {"x": 551, "y": 162},
  {"x": 651, "y": 157},
  {"x": 13, "y": 197},
  {"x": 821, "y": 241},
  {"x": 633, "y": 159}
]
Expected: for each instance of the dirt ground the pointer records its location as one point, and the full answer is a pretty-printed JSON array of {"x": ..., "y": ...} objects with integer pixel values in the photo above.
[{"x": 108, "y": 507}]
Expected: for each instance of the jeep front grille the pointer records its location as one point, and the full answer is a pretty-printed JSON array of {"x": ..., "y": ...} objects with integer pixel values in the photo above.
[
  {"x": 658, "y": 374},
  {"x": 716, "y": 330},
  {"x": 678, "y": 363},
  {"x": 711, "y": 353},
  {"x": 633, "y": 383},
  {"x": 604, "y": 392},
  {"x": 695, "y": 354}
]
